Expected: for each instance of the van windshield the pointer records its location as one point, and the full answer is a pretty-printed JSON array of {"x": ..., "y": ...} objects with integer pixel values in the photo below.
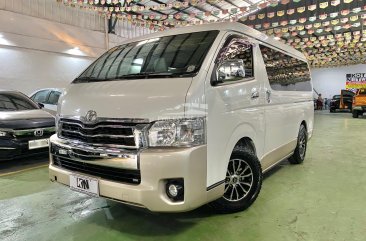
[{"x": 170, "y": 56}]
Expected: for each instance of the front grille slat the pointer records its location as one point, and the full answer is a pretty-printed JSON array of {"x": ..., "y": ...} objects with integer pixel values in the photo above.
[
  {"x": 104, "y": 172},
  {"x": 99, "y": 135},
  {"x": 103, "y": 132}
]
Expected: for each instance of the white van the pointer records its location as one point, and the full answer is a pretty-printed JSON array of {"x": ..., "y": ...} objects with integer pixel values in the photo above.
[{"x": 185, "y": 117}]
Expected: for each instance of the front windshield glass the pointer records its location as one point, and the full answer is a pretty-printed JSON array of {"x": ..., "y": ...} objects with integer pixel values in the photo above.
[
  {"x": 170, "y": 56},
  {"x": 16, "y": 102}
]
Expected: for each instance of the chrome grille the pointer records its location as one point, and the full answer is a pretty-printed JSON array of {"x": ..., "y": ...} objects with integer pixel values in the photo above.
[{"x": 112, "y": 132}]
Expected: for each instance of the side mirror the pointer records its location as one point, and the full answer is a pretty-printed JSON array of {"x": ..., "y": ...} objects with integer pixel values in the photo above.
[
  {"x": 40, "y": 105},
  {"x": 229, "y": 70}
]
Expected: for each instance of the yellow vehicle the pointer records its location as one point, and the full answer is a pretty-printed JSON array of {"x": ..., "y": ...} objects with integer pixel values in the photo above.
[{"x": 359, "y": 103}]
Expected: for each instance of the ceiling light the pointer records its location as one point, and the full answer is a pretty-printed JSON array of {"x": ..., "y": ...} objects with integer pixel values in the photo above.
[
  {"x": 75, "y": 51},
  {"x": 277, "y": 38}
]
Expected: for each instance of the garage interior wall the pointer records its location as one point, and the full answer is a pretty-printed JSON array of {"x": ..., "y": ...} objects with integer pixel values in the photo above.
[
  {"x": 38, "y": 53},
  {"x": 330, "y": 81}
]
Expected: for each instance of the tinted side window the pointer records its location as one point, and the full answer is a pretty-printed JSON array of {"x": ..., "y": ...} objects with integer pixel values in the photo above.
[
  {"x": 53, "y": 98},
  {"x": 284, "y": 72},
  {"x": 235, "y": 60},
  {"x": 41, "y": 96}
]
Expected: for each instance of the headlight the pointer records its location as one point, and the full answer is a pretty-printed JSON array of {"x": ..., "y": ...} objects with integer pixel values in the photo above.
[
  {"x": 180, "y": 132},
  {"x": 5, "y": 133}
]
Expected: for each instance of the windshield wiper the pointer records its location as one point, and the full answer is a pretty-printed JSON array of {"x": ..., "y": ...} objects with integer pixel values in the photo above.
[
  {"x": 152, "y": 74},
  {"x": 143, "y": 75},
  {"x": 86, "y": 79}
]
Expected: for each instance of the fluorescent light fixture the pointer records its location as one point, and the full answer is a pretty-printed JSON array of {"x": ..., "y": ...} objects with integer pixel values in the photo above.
[{"x": 277, "y": 38}]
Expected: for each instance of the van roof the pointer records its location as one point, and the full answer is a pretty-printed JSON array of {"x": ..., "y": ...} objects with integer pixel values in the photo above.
[{"x": 227, "y": 26}]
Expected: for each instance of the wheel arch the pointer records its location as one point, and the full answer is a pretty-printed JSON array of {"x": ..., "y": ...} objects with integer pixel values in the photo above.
[{"x": 303, "y": 122}]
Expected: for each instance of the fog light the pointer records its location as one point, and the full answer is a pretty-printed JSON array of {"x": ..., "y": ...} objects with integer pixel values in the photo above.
[{"x": 175, "y": 189}]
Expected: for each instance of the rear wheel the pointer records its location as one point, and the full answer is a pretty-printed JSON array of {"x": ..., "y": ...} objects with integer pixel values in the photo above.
[
  {"x": 242, "y": 183},
  {"x": 300, "y": 150},
  {"x": 355, "y": 114}
]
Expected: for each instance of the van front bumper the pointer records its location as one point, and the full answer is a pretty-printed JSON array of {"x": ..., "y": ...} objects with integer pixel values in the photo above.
[{"x": 156, "y": 167}]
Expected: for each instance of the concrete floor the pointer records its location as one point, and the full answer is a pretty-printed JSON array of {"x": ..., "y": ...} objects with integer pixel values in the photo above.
[{"x": 323, "y": 199}]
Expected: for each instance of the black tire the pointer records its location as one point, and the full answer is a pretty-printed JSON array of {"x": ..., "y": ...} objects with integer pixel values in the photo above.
[
  {"x": 355, "y": 114},
  {"x": 331, "y": 110},
  {"x": 241, "y": 199},
  {"x": 300, "y": 150}
]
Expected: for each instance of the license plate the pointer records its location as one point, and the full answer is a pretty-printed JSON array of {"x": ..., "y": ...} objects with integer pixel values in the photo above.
[
  {"x": 87, "y": 185},
  {"x": 38, "y": 143}
]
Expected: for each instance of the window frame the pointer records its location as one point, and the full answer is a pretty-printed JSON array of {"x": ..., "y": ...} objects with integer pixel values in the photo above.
[{"x": 231, "y": 35}]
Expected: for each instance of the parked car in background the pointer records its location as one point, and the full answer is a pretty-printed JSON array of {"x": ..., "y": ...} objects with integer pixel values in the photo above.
[
  {"x": 359, "y": 103},
  {"x": 48, "y": 97},
  {"x": 25, "y": 129},
  {"x": 342, "y": 101}
]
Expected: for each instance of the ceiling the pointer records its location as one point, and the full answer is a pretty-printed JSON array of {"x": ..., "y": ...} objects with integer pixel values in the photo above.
[{"x": 329, "y": 32}]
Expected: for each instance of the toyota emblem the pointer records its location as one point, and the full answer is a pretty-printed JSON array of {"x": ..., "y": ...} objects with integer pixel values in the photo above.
[
  {"x": 38, "y": 132},
  {"x": 91, "y": 116}
]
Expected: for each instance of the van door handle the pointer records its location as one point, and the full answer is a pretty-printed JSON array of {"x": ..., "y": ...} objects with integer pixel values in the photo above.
[{"x": 255, "y": 93}]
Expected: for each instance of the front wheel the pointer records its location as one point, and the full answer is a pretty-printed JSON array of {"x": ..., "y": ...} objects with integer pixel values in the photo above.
[
  {"x": 242, "y": 183},
  {"x": 300, "y": 150}
]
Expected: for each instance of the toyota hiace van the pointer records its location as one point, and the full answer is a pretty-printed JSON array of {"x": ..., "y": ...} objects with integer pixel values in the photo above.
[{"x": 181, "y": 118}]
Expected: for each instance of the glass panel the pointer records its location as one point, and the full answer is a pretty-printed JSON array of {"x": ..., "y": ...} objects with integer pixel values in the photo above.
[
  {"x": 284, "y": 72},
  {"x": 6, "y": 104},
  {"x": 172, "y": 56},
  {"x": 53, "y": 98},
  {"x": 14, "y": 101},
  {"x": 235, "y": 60}
]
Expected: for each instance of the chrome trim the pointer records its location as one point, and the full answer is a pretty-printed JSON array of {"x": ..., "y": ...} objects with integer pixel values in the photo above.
[
  {"x": 104, "y": 119},
  {"x": 45, "y": 129},
  {"x": 7, "y": 148},
  {"x": 114, "y": 157},
  {"x": 99, "y": 135},
  {"x": 100, "y": 146},
  {"x": 137, "y": 129},
  {"x": 93, "y": 128}
]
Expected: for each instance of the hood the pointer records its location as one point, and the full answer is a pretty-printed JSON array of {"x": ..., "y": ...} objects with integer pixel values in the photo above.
[
  {"x": 25, "y": 119},
  {"x": 139, "y": 98}
]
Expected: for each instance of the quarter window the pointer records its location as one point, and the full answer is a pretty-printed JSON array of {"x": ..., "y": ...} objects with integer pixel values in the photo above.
[
  {"x": 285, "y": 73},
  {"x": 235, "y": 60}
]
